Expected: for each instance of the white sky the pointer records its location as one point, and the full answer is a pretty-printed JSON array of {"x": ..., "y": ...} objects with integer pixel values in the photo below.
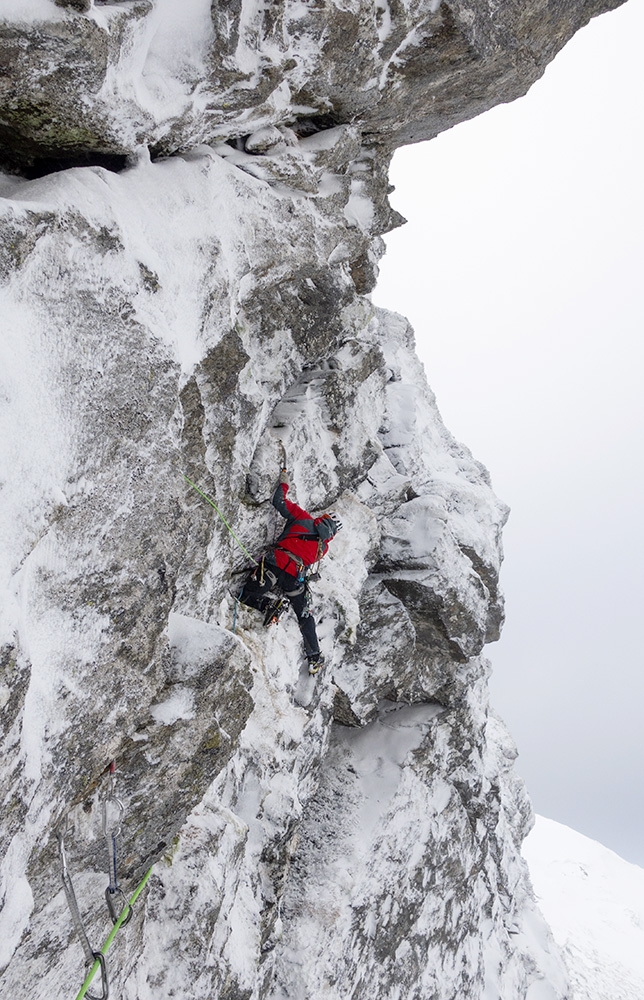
[{"x": 521, "y": 270}]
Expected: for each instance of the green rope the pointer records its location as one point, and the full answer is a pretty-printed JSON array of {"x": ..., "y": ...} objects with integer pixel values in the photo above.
[
  {"x": 213, "y": 504},
  {"x": 104, "y": 950}
]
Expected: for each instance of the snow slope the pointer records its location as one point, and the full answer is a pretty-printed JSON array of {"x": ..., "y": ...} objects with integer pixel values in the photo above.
[{"x": 594, "y": 903}]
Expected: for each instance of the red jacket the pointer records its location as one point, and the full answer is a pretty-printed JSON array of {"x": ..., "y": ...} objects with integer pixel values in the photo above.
[{"x": 299, "y": 544}]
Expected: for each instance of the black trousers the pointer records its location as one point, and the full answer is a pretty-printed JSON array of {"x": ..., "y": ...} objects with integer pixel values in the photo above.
[{"x": 277, "y": 583}]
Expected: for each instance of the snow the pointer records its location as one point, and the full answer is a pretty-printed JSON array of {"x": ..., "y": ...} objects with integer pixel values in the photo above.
[
  {"x": 184, "y": 244},
  {"x": 366, "y": 771},
  {"x": 28, "y": 11},
  {"x": 199, "y": 188},
  {"x": 384, "y": 17},
  {"x": 164, "y": 60},
  {"x": 377, "y": 752},
  {"x": 33, "y": 477},
  {"x": 44, "y": 455},
  {"x": 359, "y": 209},
  {"x": 193, "y": 644},
  {"x": 180, "y": 705},
  {"x": 413, "y": 39},
  {"x": 17, "y": 899},
  {"x": 594, "y": 903}
]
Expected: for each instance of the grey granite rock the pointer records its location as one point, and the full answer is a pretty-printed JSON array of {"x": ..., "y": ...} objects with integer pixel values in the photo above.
[
  {"x": 399, "y": 73},
  {"x": 208, "y": 314}
]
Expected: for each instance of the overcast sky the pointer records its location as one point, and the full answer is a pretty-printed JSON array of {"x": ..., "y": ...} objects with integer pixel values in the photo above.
[{"x": 522, "y": 272}]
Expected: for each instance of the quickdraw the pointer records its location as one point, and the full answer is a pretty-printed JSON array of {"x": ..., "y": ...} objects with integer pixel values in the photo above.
[
  {"x": 113, "y": 812},
  {"x": 93, "y": 958},
  {"x": 100, "y": 957},
  {"x": 112, "y": 818}
]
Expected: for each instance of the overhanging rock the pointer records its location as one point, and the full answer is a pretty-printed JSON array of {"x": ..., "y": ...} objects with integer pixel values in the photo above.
[
  {"x": 82, "y": 79},
  {"x": 193, "y": 298}
]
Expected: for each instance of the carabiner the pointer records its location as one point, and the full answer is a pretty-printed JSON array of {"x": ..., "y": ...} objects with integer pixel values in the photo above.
[
  {"x": 113, "y": 808},
  {"x": 105, "y": 985},
  {"x": 110, "y": 894}
]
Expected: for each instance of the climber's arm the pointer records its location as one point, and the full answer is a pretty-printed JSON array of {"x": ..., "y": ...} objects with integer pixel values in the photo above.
[{"x": 286, "y": 508}]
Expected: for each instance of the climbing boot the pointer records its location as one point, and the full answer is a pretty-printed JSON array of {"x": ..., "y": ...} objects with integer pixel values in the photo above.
[{"x": 316, "y": 662}]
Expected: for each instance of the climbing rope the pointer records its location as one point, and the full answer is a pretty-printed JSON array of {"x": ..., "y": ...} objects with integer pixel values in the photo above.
[
  {"x": 94, "y": 958},
  {"x": 100, "y": 956},
  {"x": 113, "y": 812},
  {"x": 213, "y": 504}
]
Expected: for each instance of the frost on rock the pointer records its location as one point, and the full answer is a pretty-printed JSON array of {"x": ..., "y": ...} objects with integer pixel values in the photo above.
[
  {"x": 207, "y": 314},
  {"x": 99, "y": 79}
]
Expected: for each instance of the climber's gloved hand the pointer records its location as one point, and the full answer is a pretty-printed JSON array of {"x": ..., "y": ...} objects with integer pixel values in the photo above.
[{"x": 284, "y": 478}]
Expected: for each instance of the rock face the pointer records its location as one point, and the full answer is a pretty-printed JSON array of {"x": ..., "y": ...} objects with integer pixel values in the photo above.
[
  {"x": 106, "y": 78},
  {"x": 207, "y": 314}
]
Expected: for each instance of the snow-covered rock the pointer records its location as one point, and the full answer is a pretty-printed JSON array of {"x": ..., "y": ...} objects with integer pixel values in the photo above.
[
  {"x": 104, "y": 78},
  {"x": 594, "y": 903},
  {"x": 207, "y": 315}
]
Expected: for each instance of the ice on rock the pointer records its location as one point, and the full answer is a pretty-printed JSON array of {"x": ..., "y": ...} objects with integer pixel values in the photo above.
[
  {"x": 180, "y": 705},
  {"x": 264, "y": 139},
  {"x": 225, "y": 752},
  {"x": 176, "y": 303}
]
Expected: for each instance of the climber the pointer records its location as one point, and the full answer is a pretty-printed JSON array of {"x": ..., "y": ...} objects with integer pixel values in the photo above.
[{"x": 284, "y": 568}]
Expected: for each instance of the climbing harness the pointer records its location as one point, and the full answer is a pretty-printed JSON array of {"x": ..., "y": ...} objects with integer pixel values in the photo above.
[
  {"x": 113, "y": 812},
  {"x": 213, "y": 504},
  {"x": 94, "y": 958},
  {"x": 301, "y": 570}
]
